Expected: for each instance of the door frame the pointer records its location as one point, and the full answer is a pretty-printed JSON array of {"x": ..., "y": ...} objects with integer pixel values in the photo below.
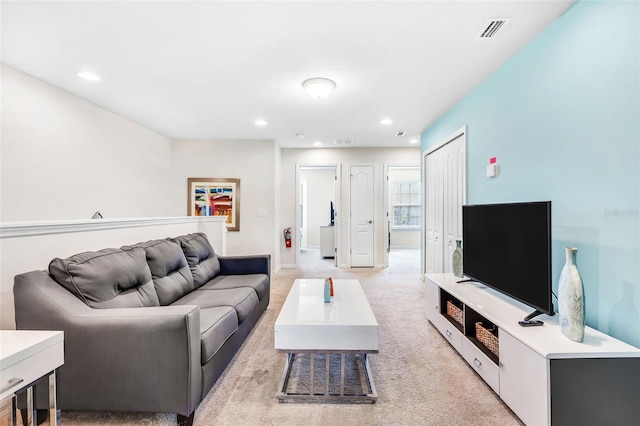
[
  {"x": 461, "y": 132},
  {"x": 386, "y": 194},
  {"x": 337, "y": 219}
]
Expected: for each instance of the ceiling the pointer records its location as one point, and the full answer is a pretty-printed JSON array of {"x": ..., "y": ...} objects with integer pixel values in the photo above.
[{"x": 208, "y": 69}]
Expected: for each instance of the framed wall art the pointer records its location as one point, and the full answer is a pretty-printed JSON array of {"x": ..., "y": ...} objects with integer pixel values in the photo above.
[{"x": 215, "y": 197}]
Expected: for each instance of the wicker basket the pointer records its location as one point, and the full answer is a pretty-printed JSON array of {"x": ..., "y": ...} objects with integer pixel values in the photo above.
[
  {"x": 454, "y": 312},
  {"x": 487, "y": 338}
]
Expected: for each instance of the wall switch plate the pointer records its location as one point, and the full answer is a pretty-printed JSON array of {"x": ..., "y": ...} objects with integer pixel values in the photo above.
[
  {"x": 261, "y": 212},
  {"x": 492, "y": 170}
]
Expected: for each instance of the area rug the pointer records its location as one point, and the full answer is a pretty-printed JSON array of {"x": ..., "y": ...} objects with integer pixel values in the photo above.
[{"x": 353, "y": 384}]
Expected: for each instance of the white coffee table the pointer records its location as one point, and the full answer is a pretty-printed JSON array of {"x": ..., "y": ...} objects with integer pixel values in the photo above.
[{"x": 345, "y": 326}]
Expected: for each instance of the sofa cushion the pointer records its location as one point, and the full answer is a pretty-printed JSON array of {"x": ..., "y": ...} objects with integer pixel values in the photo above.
[
  {"x": 259, "y": 282},
  {"x": 108, "y": 278},
  {"x": 200, "y": 256},
  {"x": 169, "y": 269},
  {"x": 244, "y": 300},
  {"x": 216, "y": 326}
]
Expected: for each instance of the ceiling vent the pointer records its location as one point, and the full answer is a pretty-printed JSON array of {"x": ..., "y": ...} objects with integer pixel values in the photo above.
[
  {"x": 343, "y": 141},
  {"x": 493, "y": 27}
]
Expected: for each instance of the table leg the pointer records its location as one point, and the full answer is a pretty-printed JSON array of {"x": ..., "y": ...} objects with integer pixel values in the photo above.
[
  {"x": 342, "y": 374},
  {"x": 53, "y": 403},
  {"x": 311, "y": 359},
  {"x": 14, "y": 410},
  {"x": 29, "y": 406}
]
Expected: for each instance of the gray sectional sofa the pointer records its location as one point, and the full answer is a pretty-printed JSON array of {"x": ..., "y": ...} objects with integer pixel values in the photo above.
[{"x": 147, "y": 327}]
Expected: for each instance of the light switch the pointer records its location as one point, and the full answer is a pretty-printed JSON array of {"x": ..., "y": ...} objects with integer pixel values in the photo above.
[
  {"x": 261, "y": 212},
  {"x": 492, "y": 170}
]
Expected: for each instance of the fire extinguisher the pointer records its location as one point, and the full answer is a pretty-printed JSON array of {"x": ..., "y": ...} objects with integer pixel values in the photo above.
[{"x": 287, "y": 237}]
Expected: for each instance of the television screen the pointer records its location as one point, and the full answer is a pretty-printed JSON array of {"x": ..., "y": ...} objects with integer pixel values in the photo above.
[{"x": 508, "y": 248}]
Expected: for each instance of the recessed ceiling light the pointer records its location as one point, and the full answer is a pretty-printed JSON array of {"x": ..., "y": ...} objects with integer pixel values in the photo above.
[
  {"x": 260, "y": 122},
  {"x": 386, "y": 121},
  {"x": 318, "y": 87},
  {"x": 317, "y": 143},
  {"x": 413, "y": 141},
  {"x": 87, "y": 75}
]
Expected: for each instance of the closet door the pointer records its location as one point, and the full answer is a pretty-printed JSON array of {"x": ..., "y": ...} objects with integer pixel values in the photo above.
[
  {"x": 434, "y": 212},
  {"x": 454, "y": 194},
  {"x": 445, "y": 193}
]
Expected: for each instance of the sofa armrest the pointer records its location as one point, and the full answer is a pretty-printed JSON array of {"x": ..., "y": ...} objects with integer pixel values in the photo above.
[
  {"x": 240, "y": 265},
  {"x": 125, "y": 359}
]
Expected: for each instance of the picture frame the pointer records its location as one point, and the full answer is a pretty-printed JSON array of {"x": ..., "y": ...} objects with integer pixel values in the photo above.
[{"x": 215, "y": 197}]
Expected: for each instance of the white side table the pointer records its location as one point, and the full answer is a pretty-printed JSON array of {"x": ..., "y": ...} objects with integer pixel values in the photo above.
[{"x": 25, "y": 357}]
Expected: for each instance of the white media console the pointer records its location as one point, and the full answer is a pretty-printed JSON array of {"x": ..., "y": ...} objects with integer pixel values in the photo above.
[{"x": 545, "y": 378}]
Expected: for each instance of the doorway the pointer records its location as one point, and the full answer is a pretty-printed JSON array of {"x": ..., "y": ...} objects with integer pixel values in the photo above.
[
  {"x": 317, "y": 224},
  {"x": 403, "y": 214}
]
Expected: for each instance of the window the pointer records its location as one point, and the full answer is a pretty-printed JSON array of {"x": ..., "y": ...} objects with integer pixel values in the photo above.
[{"x": 406, "y": 207}]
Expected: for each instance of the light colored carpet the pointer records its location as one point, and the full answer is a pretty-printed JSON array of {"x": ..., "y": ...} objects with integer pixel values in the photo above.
[{"x": 419, "y": 378}]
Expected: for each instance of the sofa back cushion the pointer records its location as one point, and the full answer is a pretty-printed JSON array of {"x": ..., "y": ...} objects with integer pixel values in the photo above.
[
  {"x": 108, "y": 278},
  {"x": 200, "y": 256},
  {"x": 169, "y": 269}
]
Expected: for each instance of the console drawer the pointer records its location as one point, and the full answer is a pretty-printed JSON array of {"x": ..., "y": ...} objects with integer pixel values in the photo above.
[
  {"x": 481, "y": 363},
  {"x": 449, "y": 331}
]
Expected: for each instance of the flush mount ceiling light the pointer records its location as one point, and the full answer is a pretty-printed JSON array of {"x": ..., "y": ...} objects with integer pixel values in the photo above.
[
  {"x": 87, "y": 75},
  {"x": 318, "y": 87},
  {"x": 260, "y": 122}
]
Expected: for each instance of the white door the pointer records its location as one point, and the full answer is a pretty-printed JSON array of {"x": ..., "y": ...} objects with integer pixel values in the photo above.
[
  {"x": 453, "y": 192},
  {"x": 434, "y": 213},
  {"x": 444, "y": 196},
  {"x": 361, "y": 209}
]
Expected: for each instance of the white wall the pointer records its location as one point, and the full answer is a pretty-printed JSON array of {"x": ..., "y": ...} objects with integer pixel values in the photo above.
[
  {"x": 253, "y": 162},
  {"x": 19, "y": 256},
  {"x": 345, "y": 157},
  {"x": 65, "y": 158},
  {"x": 320, "y": 188}
]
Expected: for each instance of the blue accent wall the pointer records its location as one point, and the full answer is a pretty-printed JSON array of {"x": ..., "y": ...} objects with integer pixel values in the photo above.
[{"x": 562, "y": 116}]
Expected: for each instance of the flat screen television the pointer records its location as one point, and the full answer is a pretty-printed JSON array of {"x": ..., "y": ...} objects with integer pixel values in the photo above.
[{"x": 508, "y": 248}]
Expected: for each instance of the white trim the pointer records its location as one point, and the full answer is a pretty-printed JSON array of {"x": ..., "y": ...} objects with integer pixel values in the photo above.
[
  {"x": 24, "y": 229},
  {"x": 288, "y": 266},
  {"x": 461, "y": 131}
]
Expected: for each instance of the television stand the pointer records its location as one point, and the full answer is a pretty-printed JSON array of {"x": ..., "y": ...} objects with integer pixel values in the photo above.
[{"x": 542, "y": 376}]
